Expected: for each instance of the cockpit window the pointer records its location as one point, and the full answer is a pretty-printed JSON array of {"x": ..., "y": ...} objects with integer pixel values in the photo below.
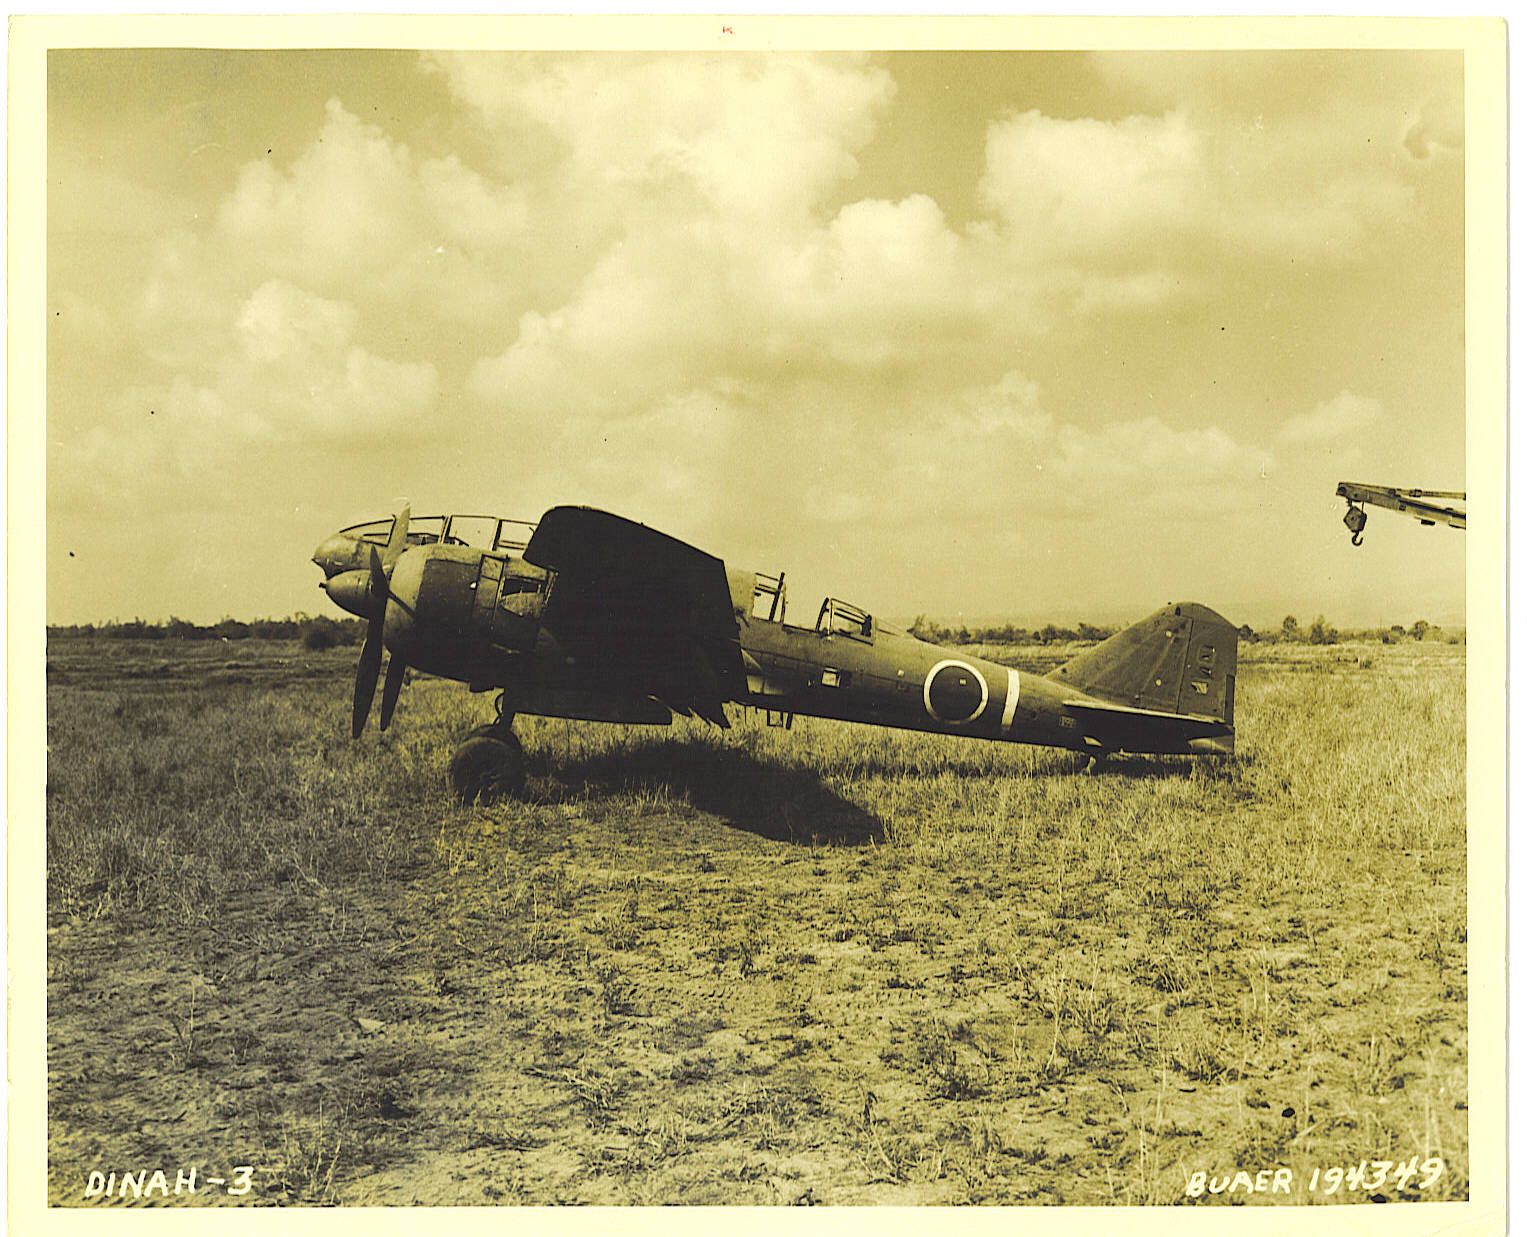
[
  {"x": 477, "y": 531},
  {"x": 375, "y": 533},
  {"x": 425, "y": 530},
  {"x": 513, "y": 535},
  {"x": 839, "y": 618},
  {"x": 482, "y": 532}
]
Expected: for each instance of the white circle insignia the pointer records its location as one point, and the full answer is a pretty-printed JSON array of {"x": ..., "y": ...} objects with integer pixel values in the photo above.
[{"x": 928, "y": 692}]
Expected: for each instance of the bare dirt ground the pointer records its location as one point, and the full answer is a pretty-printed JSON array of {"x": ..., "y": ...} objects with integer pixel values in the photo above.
[{"x": 836, "y": 966}]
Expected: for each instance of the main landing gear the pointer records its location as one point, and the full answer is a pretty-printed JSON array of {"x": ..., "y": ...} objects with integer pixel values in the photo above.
[{"x": 491, "y": 762}]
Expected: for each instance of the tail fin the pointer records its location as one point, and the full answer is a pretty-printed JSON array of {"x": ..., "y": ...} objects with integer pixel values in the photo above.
[{"x": 1179, "y": 660}]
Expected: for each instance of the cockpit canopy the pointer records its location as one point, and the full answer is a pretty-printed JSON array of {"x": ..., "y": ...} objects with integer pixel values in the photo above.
[
  {"x": 840, "y": 618},
  {"x": 483, "y": 532}
]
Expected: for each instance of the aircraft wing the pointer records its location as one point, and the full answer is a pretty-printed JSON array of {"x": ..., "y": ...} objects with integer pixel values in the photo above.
[{"x": 639, "y": 609}]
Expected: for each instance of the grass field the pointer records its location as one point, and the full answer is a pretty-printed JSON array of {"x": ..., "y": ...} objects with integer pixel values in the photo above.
[{"x": 834, "y": 965}]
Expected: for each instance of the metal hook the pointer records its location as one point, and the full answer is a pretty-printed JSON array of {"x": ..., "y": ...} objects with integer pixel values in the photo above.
[{"x": 1355, "y": 519}]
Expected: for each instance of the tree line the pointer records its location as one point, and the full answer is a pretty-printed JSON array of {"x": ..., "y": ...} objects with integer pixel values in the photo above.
[
  {"x": 1290, "y": 631},
  {"x": 315, "y": 631},
  {"x": 1321, "y": 632},
  {"x": 323, "y": 632},
  {"x": 1007, "y": 633}
]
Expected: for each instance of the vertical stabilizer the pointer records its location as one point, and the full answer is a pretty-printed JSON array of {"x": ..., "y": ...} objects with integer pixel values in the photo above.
[{"x": 1179, "y": 660}]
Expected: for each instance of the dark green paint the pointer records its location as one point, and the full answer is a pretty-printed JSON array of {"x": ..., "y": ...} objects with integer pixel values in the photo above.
[{"x": 604, "y": 619}]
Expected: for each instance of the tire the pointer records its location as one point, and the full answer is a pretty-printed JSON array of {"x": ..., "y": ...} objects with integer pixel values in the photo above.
[
  {"x": 484, "y": 768},
  {"x": 503, "y": 735}
]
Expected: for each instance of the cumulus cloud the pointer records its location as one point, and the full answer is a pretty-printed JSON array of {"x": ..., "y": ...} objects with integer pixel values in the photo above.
[
  {"x": 702, "y": 186},
  {"x": 876, "y": 286},
  {"x": 751, "y": 139},
  {"x": 1129, "y": 207},
  {"x": 359, "y": 206},
  {"x": 668, "y": 461},
  {"x": 356, "y": 215},
  {"x": 1083, "y": 186},
  {"x": 282, "y": 324},
  {"x": 296, "y": 372},
  {"x": 643, "y": 325},
  {"x": 716, "y": 253},
  {"x": 1439, "y": 127},
  {"x": 1331, "y": 421},
  {"x": 657, "y": 281},
  {"x": 289, "y": 376},
  {"x": 1148, "y": 454},
  {"x": 998, "y": 451},
  {"x": 884, "y": 280}
]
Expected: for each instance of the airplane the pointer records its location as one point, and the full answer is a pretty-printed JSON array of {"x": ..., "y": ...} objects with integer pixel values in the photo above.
[
  {"x": 1408, "y": 502},
  {"x": 588, "y": 615}
]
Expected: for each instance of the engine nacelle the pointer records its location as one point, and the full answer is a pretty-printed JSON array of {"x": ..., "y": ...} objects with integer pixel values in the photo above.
[{"x": 457, "y": 610}]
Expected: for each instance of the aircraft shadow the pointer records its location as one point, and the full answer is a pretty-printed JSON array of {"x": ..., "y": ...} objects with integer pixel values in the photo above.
[
  {"x": 1163, "y": 768},
  {"x": 766, "y": 799}
]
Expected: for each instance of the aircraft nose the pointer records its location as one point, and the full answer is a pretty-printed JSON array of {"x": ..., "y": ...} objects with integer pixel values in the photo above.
[{"x": 336, "y": 554}]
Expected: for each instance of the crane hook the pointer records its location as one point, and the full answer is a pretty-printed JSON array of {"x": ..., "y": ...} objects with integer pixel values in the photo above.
[{"x": 1355, "y": 519}]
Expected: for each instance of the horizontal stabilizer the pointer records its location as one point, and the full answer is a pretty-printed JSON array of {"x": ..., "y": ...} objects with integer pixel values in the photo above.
[
  {"x": 1126, "y": 728},
  {"x": 1098, "y": 706}
]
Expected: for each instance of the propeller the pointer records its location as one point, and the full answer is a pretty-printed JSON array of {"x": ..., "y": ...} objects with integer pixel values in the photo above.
[
  {"x": 366, "y": 671},
  {"x": 370, "y": 664},
  {"x": 398, "y": 542},
  {"x": 396, "y": 667}
]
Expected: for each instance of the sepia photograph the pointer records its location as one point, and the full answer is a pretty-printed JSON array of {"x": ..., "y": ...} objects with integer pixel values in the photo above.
[{"x": 757, "y": 612}]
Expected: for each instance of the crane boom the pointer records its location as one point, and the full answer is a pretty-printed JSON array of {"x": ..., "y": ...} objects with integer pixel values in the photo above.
[{"x": 1424, "y": 505}]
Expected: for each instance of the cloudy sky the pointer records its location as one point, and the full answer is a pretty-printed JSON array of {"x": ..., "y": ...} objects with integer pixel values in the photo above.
[{"x": 1034, "y": 335}]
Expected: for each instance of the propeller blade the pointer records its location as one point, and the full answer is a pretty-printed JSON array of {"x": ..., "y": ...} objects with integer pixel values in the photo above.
[
  {"x": 366, "y": 671},
  {"x": 398, "y": 541},
  {"x": 396, "y": 668},
  {"x": 370, "y": 665},
  {"x": 378, "y": 596}
]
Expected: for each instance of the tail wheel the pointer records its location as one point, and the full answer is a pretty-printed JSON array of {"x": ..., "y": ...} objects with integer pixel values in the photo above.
[{"x": 487, "y": 767}]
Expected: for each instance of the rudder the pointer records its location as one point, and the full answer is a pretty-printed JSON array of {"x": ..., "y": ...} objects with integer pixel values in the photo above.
[{"x": 1179, "y": 660}]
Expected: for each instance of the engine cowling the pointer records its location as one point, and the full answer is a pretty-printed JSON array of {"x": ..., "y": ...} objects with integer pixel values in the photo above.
[{"x": 455, "y": 608}]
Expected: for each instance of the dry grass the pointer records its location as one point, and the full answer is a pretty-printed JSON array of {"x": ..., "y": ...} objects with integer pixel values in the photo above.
[{"x": 832, "y": 965}]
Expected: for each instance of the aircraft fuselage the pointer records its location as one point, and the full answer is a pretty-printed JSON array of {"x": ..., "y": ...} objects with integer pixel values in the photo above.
[
  {"x": 891, "y": 678},
  {"x": 481, "y": 616}
]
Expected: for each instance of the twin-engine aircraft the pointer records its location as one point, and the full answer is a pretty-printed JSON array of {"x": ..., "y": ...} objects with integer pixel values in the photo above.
[{"x": 591, "y": 616}]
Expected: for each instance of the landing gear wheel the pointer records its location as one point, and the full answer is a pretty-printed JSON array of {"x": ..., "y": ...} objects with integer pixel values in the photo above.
[
  {"x": 489, "y": 765},
  {"x": 496, "y": 731}
]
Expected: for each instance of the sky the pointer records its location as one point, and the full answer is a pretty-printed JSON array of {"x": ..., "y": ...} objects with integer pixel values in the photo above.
[{"x": 1028, "y": 336}]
